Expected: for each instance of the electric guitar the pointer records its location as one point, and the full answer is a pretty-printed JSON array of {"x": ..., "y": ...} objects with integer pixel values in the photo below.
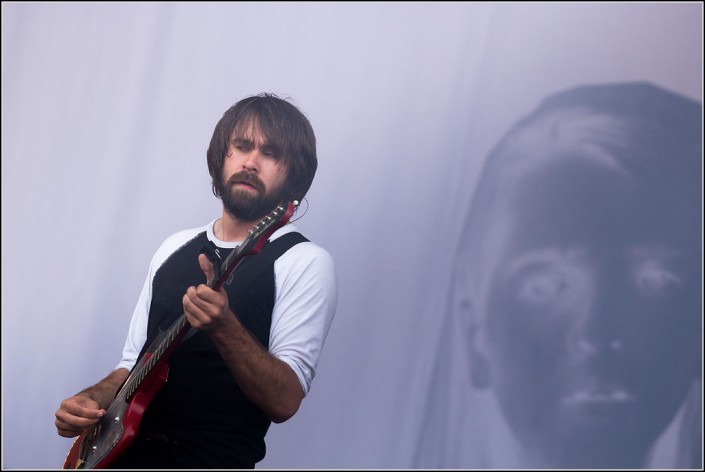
[{"x": 101, "y": 444}]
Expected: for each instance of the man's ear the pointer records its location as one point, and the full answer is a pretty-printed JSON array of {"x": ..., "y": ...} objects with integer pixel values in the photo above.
[{"x": 480, "y": 372}]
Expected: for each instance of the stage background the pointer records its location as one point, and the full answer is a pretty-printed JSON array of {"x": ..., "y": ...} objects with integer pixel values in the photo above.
[{"x": 107, "y": 112}]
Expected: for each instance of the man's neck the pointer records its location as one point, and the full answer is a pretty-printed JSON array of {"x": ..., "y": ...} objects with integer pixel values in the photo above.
[{"x": 231, "y": 229}]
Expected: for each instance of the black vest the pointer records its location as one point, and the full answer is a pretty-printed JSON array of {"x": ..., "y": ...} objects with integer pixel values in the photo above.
[{"x": 201, "y": 406}]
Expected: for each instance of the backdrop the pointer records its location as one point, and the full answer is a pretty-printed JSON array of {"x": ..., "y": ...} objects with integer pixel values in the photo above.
[{"x": 107, "y": 112}]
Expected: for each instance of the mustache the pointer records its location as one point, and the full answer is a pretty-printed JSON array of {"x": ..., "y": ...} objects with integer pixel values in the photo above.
[{"x": 245, "y": 177}]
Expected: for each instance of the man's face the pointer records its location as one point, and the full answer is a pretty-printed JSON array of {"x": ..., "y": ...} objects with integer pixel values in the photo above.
[
  {"x": 592, "y": 310},
  {"x": 254, "y": 177}
]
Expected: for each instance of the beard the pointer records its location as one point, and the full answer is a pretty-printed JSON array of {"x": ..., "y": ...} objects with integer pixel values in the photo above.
[{"x": 247, "y": 205}]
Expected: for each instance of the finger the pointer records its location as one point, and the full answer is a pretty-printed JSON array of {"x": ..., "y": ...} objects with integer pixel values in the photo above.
[
  {"x": 81, "y": 407},
  {"x": 67, "y": 431},
  {"x": 69, "y": 425},
  {"x": 190, "y": 309},
  {"x": 70, "y": 429},
  {"x": 206, "y": 301},
  {"x": 206, "y": 267},
  {"x": 79, "y": 420},
  {"x": 195, "y": 308}
]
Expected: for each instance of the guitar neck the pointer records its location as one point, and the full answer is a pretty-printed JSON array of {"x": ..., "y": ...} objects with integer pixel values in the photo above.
[{"x": 161, "y": 351}]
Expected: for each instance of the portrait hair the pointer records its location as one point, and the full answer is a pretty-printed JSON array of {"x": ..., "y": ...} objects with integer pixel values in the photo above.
[{"x": 648, "y": 134}]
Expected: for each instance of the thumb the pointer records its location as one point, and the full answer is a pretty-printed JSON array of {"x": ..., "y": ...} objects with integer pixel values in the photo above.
[{"x": 206, "y": 267}]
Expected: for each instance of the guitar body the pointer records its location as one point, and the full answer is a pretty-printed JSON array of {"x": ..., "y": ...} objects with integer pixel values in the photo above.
[{"x": 101, "y": 445}]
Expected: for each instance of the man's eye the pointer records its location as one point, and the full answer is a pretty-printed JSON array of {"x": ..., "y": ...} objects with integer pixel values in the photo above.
[{"x": 652, "y": 279}]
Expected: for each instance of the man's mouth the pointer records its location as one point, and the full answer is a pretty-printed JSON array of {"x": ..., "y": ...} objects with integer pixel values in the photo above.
[
  {"x": 245, "y": 184},
  {"x": 246, "y": 181}
]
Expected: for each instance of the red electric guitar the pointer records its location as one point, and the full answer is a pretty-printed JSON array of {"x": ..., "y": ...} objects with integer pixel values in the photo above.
[{"x": 100, "y": 445}]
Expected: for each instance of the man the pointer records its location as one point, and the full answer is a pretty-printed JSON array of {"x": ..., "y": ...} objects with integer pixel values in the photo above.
[
  {"x": 252, "y": 352},
  {"x": 578, "y": 286}
]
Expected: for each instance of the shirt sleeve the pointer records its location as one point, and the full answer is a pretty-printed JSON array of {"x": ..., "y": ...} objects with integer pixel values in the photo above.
[
  {"x": 137, "y": 333},
  {"x": 304, "y": 307}
]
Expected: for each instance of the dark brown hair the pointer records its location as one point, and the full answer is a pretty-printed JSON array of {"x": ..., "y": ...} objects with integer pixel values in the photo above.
[{"x": 285, "y": 129}]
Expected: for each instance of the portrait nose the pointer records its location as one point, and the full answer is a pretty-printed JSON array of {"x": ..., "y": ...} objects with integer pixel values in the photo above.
[
  {"x": 601, "y": 324},
  {"x": 587, "y": 346}
]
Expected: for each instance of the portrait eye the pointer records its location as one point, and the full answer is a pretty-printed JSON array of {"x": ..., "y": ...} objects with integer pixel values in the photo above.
[
  {"x": 542, "y": 286},
  {"x": 653, "y": 279}
]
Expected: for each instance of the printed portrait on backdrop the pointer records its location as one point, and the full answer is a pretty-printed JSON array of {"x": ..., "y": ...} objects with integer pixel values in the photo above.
[{"x": 576, "y": 293}]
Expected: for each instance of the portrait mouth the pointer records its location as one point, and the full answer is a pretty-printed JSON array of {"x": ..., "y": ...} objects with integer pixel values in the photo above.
[{"x": 598, "y": 396}]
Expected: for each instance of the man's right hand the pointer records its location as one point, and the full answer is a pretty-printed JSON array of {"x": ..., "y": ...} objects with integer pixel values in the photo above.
[{"x": 76, "y": 414}]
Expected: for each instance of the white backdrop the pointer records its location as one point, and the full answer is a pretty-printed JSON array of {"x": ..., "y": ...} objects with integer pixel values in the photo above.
[{"x": 107, "y": 111}]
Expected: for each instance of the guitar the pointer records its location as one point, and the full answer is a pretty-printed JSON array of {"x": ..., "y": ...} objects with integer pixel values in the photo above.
[{"x": 100, "y": 445}]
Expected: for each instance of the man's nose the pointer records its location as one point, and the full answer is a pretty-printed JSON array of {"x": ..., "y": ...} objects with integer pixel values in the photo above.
[{"x": 252, "y": 161}]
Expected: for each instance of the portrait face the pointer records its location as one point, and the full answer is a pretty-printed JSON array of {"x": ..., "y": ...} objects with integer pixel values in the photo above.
[{"x": 590, "y": 323}]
